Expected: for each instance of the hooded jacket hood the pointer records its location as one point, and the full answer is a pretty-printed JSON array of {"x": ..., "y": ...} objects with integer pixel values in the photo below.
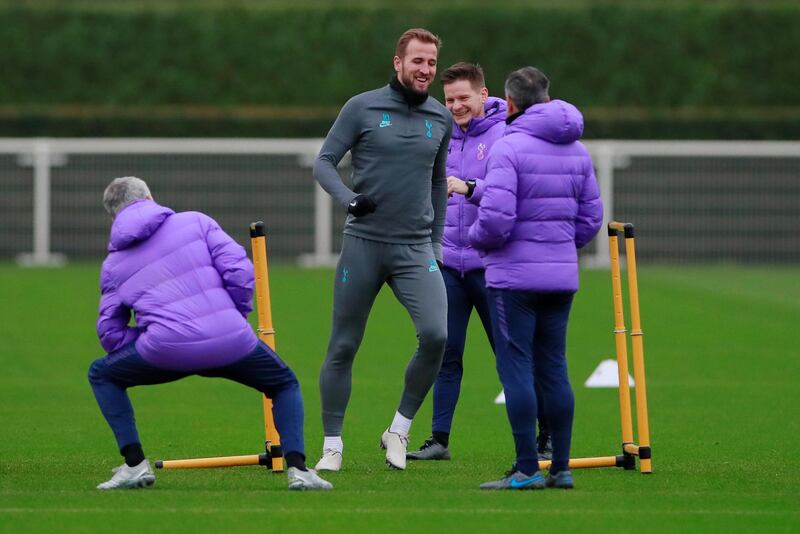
[
  {"x": 189, "y": 284},
  {"x": 136, "y": 222},
  {"x": 541, "y": 169},
  {"x": 555, "y": 121},
  {"x": 494, "y": 111}
]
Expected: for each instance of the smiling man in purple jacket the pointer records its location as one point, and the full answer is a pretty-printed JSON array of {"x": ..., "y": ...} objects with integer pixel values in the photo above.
[
  {"x": 190, "y": 288},
  {"x": 540, "y": 204}
]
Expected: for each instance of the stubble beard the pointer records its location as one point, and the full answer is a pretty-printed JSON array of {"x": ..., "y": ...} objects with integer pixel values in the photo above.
[{"x": 408, "y": 83}]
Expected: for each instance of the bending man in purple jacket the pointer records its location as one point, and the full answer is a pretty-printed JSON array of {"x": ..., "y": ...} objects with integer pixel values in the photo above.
[
  {"x": 190, "y": 287},
  {"x": 478, "y": 121},
  {"x": 540, "y": 204}
]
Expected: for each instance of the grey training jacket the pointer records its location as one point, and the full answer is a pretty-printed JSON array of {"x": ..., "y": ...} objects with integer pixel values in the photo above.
[{"x": 398, "y": 156}]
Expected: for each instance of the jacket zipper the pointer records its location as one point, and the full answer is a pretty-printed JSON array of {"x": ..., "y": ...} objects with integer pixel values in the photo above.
[{"x": 461, "y": 211}]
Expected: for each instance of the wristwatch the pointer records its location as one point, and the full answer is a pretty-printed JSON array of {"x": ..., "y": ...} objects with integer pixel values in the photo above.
[{"x": 470, "y": 188}]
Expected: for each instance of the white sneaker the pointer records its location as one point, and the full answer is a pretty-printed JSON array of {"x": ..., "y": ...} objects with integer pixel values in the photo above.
[
  {"x": 125, "y": 477},
  {"x": 331, "y": 461},
  {"x": 306, "y": 480},
  {"x": 396, "y": 446}
]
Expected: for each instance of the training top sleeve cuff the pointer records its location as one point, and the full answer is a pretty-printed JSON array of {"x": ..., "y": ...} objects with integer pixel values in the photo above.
[{"x": 438, "y": 253}]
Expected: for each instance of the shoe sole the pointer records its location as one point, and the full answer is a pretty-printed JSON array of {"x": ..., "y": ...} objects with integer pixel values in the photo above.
[
  {"x": 556, "y": 485},
  {"x": 418, "y": 458},
  {"x": 144, "y": 483},
  {"x": 509, "y": 488},
  {"x": 303, "y": 487},
  {"x": 138, "y": 484}
]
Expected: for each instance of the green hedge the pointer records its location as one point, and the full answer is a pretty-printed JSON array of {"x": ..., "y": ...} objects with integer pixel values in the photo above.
[
  {"x": 597, "y": 126},
  {"x": 736, "y": 55}
]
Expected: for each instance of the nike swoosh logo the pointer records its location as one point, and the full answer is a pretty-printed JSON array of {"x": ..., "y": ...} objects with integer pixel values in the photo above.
[{"x": 524, "y": 483}]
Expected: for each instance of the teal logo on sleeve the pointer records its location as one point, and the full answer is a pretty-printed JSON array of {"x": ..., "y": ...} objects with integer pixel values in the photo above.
[
  {"x": 345, "y": 272},
  {"x": 433, "y": 267},
  {"x": 387, "y": 121},
  {"x": 429, "y": 129}
]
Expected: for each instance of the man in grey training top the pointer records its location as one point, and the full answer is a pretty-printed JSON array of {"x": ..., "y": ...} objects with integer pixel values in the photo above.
[{"x": 397, "y": 136}]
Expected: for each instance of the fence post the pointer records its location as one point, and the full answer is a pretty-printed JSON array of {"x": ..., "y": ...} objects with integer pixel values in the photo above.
[{"x": 41, "y": 255}]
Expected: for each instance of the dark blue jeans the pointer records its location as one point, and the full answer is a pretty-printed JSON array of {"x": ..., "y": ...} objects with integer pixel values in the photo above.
[
  {"x": 530, "y": 332},
  {"x": 262, "y": 370},
  {"x": 463, "y": 294}
]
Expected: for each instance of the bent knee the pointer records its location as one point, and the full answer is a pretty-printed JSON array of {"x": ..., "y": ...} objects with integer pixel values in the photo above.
[
  {"x": 97, "y": 371},
  {"x": 341, "y": 352},
  {"x": 291, "y": 381},
  {"x": 451, "y": 368},
  {"x": 433, "y": 338}
]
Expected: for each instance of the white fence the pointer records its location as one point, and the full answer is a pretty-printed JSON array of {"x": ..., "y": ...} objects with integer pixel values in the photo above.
[{"x": 693, "y": 201}]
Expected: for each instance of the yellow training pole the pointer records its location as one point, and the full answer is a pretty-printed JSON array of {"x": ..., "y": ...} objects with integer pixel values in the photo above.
[
  {"x": 619, "y": 337},
  {"x": 585, "y": 463},
  {"x": 258, "y": 240},
  {"x": 223, "y": 461},
  {"x": 637, "y": 346}
]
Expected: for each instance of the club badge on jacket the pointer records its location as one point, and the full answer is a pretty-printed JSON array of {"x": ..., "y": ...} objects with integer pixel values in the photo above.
[{"x": 481, "y": 151}]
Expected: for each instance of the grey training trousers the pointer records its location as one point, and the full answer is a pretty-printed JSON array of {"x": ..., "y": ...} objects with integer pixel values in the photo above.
[{"x": 415, "y": 279}]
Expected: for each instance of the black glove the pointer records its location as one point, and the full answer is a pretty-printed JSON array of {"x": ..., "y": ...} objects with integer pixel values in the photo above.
[{"x": 360, "y": 206}]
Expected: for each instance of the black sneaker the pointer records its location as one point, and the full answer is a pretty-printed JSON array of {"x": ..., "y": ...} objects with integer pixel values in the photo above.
[
  {"x": 544, "y": 446},
  {"x": 430, "y": 450}
]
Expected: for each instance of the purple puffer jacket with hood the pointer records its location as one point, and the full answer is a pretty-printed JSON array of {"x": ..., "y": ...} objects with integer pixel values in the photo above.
[
  {"x": 541, "y": 202},
  {"x": 467, "y": 155},
  {"x": 188, "y": 283}
]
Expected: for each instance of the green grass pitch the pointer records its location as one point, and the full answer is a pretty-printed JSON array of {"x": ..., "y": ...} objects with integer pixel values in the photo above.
[{"x": 723, "y": 370}]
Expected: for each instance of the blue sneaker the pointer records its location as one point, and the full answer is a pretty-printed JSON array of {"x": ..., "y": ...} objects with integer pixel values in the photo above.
[
  {"x": 562, "y": 480},
  {"x": 516, "y": 480}
]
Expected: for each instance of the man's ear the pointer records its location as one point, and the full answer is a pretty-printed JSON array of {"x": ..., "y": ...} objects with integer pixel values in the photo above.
[{"x": 511, "y": 108}]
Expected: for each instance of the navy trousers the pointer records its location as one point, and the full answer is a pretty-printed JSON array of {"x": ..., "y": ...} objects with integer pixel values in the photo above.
[
  {"x": 262, "y": 369},
  {"x": 530, "y": 332},
  {"x": 463, "y": 294}
]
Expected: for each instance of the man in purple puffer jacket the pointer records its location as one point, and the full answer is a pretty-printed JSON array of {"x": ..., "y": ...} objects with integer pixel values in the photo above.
[
  {"x": 190, "y": 287},
  {"x": 478, "y": 121},
  {"x": 541, "y": 203}
]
